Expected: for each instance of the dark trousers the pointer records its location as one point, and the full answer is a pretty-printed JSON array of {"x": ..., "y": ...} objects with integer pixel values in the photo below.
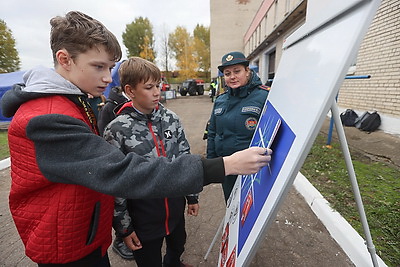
[
  {"x": 150, "y": 253},
  {"x": 94, "y": 259}
]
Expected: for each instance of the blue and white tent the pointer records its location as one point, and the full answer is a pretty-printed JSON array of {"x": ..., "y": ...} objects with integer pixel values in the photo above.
[{"x": 7, "y": 80}]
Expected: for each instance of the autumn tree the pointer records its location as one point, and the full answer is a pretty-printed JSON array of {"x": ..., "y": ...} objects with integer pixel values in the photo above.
[
  {"x": 9, "y": 58},
  {"x": 182, "y": 46},
  {"x": 147, "y": 52},
  {"x": 138, "y": 38},
  {"x": 201, "y": 36}
]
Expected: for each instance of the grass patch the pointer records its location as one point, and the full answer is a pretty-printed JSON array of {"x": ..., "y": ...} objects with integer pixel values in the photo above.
[
  {"x": 379, "y": 185},
  {"x": 4, "y": 151}
]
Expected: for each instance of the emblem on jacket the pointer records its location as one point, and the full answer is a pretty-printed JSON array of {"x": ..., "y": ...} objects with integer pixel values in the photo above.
[
  {"x": 251, "y": 123},
  {"x": 167, "y": 134}
]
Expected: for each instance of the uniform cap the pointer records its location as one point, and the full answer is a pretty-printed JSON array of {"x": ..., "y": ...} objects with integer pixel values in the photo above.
[{"x": 233, "y": 58}]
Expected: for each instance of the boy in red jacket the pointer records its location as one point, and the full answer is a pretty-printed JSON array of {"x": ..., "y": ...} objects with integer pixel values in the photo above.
[{"x": 64, "y": 175}]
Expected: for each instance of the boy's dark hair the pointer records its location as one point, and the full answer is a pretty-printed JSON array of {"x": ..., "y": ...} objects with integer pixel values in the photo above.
[
  {"x": 136, "y": 70},
  {"x": 78, "y": 32}
]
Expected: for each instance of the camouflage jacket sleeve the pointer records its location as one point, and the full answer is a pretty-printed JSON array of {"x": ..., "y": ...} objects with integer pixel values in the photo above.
[
  {"x": 192, "y": 199},
  {"x": 122, "y": 221}
]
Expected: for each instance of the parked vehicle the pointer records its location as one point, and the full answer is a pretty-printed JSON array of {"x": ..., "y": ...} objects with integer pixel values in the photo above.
[
  {"x": 193, "y": 87},
  {"x": 164, "y": 84}
]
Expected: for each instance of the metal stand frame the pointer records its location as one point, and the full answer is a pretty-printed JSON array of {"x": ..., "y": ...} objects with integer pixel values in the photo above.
[
  {"x": 215, "y": 237},
  {"x": 328, "y": 141},
  {"x": 353, "y": 180}
]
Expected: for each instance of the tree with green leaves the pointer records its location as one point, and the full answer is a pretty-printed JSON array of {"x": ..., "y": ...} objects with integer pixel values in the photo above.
[
  {"x": 138, "y": 38},
  {"x": 9, "y": 58}
]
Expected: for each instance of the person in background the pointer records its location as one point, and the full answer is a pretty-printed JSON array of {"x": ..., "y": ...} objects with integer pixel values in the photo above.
[
  {"x": 96, "y": 103},
  {"x": 64, "y": 175},
  {"x": 107, "y": 114},
  {"x": 146, "y": 127},
  {"x": 236, "y": 112},
  {"x": 115, "y": 98},
  {"x": 213, "y": 88}
]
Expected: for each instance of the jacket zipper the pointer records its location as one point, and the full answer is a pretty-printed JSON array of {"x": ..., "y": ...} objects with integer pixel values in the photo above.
[{"x": 160, "y": 152}]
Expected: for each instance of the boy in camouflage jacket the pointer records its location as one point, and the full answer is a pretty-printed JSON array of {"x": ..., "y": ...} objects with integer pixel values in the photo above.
[{"x": 147, "y": 128}]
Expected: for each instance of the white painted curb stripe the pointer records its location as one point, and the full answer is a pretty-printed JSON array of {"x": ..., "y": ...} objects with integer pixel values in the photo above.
[
  {"x": 5, "y": 163},
  {"x": 344, "y": 234}
]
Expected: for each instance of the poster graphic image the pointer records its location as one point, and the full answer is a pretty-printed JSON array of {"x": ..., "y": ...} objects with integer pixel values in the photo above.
[
  {"x": 232, "y": 259},
  {"x": 224, "y": 245},
  {"x": 271, "y": 132}
]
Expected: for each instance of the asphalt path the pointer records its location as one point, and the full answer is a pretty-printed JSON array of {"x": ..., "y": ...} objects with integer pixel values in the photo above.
[{"x": 296, "y": 238}]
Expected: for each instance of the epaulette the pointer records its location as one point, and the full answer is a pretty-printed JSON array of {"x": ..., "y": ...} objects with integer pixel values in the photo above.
[
  {"x": 264, "y": 87},
  {"x": 222, "y": 93}
]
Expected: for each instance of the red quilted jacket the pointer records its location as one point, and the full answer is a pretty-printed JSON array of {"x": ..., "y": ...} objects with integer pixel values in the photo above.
[{"x": 57, "y": 222}]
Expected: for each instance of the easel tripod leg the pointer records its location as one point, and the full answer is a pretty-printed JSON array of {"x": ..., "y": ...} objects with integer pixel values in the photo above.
[
  {"x": 353, "y": 180},
  {"x": 215, "y": 238}
]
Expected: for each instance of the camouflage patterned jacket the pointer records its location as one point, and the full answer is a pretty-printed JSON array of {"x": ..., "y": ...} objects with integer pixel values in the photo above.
[{"x": 154, "y": 135}]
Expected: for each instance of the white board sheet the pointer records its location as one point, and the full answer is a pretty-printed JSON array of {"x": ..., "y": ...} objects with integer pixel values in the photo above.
[{"x": 312, "y": 68}]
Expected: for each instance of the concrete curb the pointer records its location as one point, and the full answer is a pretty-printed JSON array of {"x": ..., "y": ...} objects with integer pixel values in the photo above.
[
  {"x": 5, "y": 163},
  {"x": 344, "y": 234}
]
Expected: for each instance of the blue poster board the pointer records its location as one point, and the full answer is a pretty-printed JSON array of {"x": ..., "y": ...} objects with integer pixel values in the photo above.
[{"x": 256, "y": 188}]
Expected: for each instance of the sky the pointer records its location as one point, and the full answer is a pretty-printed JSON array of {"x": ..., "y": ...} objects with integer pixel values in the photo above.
[{"x": 29, "y": 20}]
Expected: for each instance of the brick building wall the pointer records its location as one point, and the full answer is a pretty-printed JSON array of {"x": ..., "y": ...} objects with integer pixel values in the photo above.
[{"x": 379, "y": 56}]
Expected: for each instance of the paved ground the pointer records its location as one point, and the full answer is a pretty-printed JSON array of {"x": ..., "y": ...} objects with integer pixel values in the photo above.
[{"x": 297, "y": 238}]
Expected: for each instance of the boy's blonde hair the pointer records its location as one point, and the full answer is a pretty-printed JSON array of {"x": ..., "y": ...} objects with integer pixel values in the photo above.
[
  {"x": 135, "y": 70},
  {"x": 78, "y": 32}
]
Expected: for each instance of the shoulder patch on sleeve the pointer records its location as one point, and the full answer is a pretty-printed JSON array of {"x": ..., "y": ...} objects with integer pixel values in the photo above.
[{"x": 264, "y": 87}]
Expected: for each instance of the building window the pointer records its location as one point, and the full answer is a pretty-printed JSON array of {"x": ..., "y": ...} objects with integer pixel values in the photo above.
[
  {"x": 256, "y": 66},
  {"x": 271, "y": 65}
]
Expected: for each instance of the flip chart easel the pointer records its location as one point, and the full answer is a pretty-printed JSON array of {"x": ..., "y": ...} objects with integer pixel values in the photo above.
[
  {"x": 352, "y": 177},
  {"x": 315, "y": 58}
]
